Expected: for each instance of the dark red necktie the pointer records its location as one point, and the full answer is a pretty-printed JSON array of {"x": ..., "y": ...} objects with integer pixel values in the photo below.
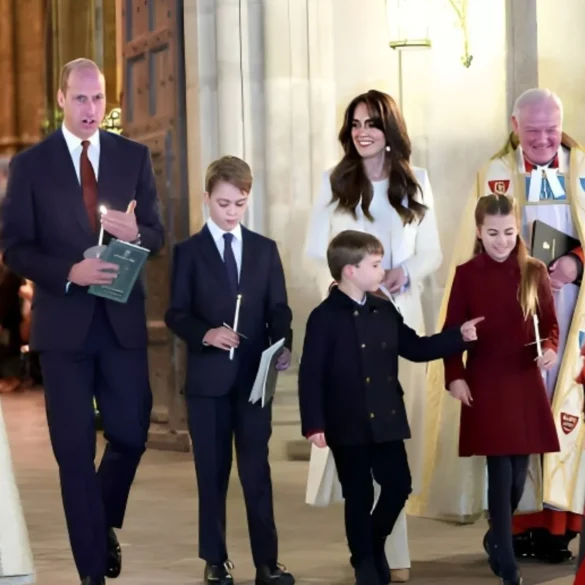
[{"x": 89, "y": 186}]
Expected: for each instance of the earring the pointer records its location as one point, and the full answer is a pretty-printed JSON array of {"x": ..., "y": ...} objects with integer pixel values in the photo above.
[{"x": 388, "y": 149}]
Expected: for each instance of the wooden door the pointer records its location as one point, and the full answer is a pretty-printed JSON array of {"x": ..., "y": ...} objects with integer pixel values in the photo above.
[{"x": 153, "y": 111}]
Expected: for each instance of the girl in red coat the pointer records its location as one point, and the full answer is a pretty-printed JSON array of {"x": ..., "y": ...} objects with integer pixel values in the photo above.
[{"x": 505, "y": 415}]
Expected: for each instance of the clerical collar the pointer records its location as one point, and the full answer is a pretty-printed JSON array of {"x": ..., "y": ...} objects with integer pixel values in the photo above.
[{"x": 529, "y": 166}]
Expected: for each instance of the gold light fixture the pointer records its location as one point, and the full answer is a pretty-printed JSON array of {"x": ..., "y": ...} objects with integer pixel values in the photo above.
[
  {"x": 460, "y": 7},
  {"x": 113, "y": 121},
  {"x": 408, "y": 23}
]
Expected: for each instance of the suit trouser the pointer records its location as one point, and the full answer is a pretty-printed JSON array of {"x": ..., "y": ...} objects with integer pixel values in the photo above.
[
  {"x": 118, "y": 378},
  {"x": 214, "y": 423},
  {"x": 368, "y": 530}
]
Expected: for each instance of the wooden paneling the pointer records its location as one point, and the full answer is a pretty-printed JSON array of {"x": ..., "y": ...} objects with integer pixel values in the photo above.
[{"x": 154, "y": 114}]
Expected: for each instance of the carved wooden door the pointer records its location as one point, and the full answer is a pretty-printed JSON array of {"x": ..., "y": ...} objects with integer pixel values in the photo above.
[{"x": 153, "y": 111}]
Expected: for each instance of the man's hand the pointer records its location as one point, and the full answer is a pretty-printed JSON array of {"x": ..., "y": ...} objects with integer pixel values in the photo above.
[
  {"x": 468, "y": 329},
  {"x": 460, "y": 390},
  {"x": 222, "y": 338},
  {"x": 121, "y": 225},
  {"x": 394, "y": 279},
  {"x": 547, "y": 360},
  {"x": 93, "y": 271},
  {"x": 563, "y": 271},
  {"x": 283, "y": 360},
  {"x": 318, "y": 439}
]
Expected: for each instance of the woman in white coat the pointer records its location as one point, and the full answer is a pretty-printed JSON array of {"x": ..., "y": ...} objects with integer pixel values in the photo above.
[
  {"x": 16, "y": 566},
  {"x": 375, "y": 189}
]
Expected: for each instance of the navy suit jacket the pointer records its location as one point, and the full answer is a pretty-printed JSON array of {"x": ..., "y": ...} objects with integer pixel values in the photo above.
[
  {"x": 201, "y": 299},
  {"x": 46, "y": 229}
]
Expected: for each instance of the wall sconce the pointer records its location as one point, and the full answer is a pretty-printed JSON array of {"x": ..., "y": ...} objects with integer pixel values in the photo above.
[{"x": 408, "y": 23}]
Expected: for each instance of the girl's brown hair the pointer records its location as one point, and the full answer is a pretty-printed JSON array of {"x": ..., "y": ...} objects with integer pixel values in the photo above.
[
  {"x": 349, "y": 181},
  {"x": 530, "y": 268}
]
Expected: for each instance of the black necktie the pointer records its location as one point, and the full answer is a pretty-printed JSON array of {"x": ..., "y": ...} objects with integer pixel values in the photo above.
[{"x": 230, "y": 261}]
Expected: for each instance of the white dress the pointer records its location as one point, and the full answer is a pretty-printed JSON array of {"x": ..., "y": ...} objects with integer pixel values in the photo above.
[
  {"x": 416, "y": 247},
  {"x": 16, "y": 564}
]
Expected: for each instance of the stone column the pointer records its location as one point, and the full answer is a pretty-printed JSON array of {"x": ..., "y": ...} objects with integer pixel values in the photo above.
[{"x": 521, "y": 49}]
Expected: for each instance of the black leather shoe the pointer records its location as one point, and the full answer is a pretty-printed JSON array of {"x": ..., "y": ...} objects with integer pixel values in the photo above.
[
  {"x": 277, "y": 575},
  {"x": 90, "y": 581},
  {"x": 219, "y": 574},
  {"x": 114, "y": 560},
  {"x": 367, "y": 574}
]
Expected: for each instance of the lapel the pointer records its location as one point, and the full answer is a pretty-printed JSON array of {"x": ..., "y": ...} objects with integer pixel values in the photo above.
[
  {"x": 213, "y": 259},
  {"x": 62, "y": 164},
  {"x": 110, "y": 167},
  {"x": 250, "y": 255},
  {"x": 216, "y": 265}
]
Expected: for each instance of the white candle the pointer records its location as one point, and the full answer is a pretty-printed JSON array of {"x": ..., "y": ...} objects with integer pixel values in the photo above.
[
  {"x": 537, "y": 335},
  {"x": 103, "y": 211},
  {"x": 236, "y": 319}
]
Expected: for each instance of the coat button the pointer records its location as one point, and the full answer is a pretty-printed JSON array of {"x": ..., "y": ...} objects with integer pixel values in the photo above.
[
  {"x": 383, "y": 345},
  {"x": 372, "y": 415},
  {"x": 356, "y": 313},
  {"x": 393, "y": 412},
  {"x": 390, "y": 378},
  {"x": 363, "y": 346},
  {"x": 367, "y": 380}
]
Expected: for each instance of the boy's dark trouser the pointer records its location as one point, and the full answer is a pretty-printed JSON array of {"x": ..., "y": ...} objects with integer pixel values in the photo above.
[
  {"x": 356, "y": 464},
  {"x": 213, "y": 425},
  {"x": 506, "y": 479}
]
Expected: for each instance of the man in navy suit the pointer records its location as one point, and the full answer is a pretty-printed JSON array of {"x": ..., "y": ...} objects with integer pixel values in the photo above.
[
  {"x": 89, "y": 347},
  {"x": 209, "y": 270}
]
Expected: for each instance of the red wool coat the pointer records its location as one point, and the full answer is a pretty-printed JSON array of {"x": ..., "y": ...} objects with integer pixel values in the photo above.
[{"x": 510, "y": 413}]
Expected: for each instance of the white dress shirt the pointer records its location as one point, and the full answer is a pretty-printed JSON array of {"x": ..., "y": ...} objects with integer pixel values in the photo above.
[
  {"x": 217, "y": 235},
  {"x": 75, "y": 149}
]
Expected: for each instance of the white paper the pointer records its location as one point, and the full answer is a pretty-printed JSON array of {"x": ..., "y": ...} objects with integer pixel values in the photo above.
[{"x": 259, "y": 388}]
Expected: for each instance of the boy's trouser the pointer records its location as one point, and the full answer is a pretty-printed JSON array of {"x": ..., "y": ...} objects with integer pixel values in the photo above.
[
  {"x": 215, "y": 424},
  {"x": 356, "y": 464},
  {"x": 506, "y": 479}
]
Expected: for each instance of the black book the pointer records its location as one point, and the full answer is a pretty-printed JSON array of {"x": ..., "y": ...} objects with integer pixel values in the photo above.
[{"x": 549, "y": 244}]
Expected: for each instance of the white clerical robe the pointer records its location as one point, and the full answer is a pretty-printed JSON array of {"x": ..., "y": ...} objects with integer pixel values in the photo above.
[
  {"x": 16, "y": 565},
  {"x": 416, "y": 248}
]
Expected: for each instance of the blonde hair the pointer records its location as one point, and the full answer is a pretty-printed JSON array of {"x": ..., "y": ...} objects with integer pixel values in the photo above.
[
  {"x": 80, "y": 64},
  {"x": 530, "y": 268},
  {"x": 229, "y": 169}
]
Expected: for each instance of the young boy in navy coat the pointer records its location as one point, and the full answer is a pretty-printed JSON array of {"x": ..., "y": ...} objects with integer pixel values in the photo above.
[
  {"x": 351, "y": 399},
  {"x": 210, "y": 269}
]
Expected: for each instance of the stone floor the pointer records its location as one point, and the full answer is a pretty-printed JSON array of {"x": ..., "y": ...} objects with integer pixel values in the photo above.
[{"x": 160, "y": 538}]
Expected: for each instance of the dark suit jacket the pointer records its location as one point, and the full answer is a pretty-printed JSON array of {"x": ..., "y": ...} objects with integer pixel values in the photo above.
[
  {"x": 348, "y": 376},
  {"x": 45, "y": 231},
  {"x": 201, "y": 299}
]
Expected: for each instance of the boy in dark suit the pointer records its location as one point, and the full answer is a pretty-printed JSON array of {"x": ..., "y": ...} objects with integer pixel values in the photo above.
[
  {"x": 210, "y": 270},
  {"x": 351, "y": 399}
]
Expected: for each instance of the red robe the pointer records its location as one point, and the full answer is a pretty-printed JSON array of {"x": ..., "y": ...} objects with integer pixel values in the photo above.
[{"x": 511, "y": 413}]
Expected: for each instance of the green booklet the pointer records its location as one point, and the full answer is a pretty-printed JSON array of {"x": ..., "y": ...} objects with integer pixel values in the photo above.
[{"x": 130, "y": 259}]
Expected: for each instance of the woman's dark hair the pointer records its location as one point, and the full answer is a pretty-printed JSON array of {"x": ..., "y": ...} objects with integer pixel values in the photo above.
[{"x": 349, "y": 181}]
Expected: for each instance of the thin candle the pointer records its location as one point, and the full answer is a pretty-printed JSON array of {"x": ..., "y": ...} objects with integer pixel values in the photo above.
[
  {"x": 236, "y": 319},
  {"x": 537, "y": 335},
  {"x": 103, "y": 211}
]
